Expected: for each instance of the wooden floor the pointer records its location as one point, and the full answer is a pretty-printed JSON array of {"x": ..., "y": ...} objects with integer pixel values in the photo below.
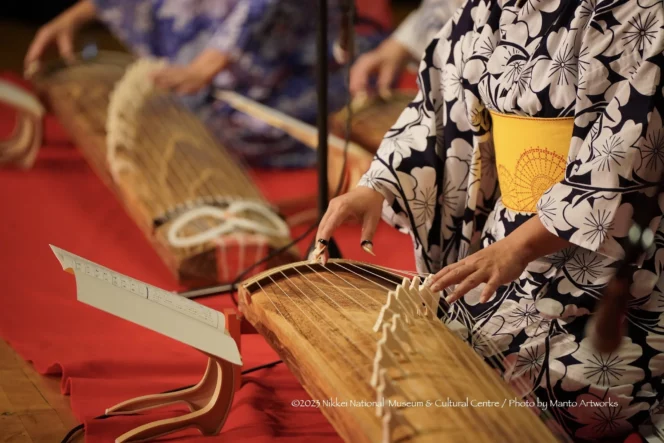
[{"x": 32, "y": 410}]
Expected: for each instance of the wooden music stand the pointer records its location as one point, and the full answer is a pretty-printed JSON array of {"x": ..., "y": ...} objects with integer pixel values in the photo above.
[{"x": 209, "y": 401}]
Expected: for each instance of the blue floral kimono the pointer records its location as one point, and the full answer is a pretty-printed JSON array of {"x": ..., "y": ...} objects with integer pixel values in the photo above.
[{"x": 273, "y": 47}]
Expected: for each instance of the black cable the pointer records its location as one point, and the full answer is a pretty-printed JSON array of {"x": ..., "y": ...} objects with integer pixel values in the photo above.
[
  {"x": 265, "y": 366},
  {"x": 77, "y": 428}
]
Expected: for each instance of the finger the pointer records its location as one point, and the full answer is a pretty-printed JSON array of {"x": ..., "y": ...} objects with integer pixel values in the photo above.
[
  {"x": 320, "y": 248},
  {"x": 65, "y": 43},
  {"x": 332, "y": 219},
  {"x": 470, "y": 282},
  {"x": 386, "y": 77},
  {"x": 488, "y": 291},
  {"x": 37, "y": 47},
  {"x": 360, "y": 73},
  {"x": 323, "y": 220},
  {"x": 453, "y": 277},
  {"x": 443, "y": 272},
  {"x": 369, "y": 226},
  {"x": 338, "y": 213}
]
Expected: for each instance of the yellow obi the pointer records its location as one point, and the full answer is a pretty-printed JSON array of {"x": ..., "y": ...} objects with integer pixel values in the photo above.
[{"x": 531, "y": 156}]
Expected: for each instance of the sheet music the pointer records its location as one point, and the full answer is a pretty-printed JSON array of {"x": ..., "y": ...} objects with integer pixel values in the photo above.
[{"x": 177, "y": 317}]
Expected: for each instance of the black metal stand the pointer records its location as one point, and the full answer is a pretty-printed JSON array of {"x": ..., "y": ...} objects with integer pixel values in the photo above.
[{"x": 322, "y": 82}]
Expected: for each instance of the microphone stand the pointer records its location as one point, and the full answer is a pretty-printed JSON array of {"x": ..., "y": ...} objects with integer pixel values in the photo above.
[{"x": 322, "y": 119}]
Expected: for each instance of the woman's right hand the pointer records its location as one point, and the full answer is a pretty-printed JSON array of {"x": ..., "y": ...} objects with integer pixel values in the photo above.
[
  {"x": 60, "y": 31},
  {"x": 362, "y": 204}
]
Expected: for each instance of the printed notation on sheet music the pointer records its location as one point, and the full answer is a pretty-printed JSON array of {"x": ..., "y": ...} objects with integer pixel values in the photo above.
[
  {"x": 180, "y": 304},
  {"x": 185, "y": 306}
]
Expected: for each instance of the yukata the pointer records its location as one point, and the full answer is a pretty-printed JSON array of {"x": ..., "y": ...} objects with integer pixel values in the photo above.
[
  {"x": 598, "y": 62},
  {"x": 273, "y": 51}
]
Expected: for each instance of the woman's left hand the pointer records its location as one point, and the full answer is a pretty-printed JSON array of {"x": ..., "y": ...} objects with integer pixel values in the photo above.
[
  {"x": 191, "y": 78},
  {"x": 495, "y": 265},
  {"x": 500, "y": 263}
]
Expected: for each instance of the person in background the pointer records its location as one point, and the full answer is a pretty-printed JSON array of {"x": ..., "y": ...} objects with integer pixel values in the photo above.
[
  {"x": 406, "y": 45},
  {"x": 534, "y": 145},
  {"x": 263, "y": 49}
]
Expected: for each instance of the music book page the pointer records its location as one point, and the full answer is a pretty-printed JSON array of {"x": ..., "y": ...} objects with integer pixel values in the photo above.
[{"x": 161, "y": 311}]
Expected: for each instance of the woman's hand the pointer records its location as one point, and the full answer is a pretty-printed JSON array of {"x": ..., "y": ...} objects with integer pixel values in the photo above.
[
  {"x": 385, "y": 62},
  {"x": 363, "y": 204},
  {"x": 495, "y": 265},
  {"x": 61, "y": 31},
  {"x": 193, "y": 77},
  {"x": 499, "y": 263}
]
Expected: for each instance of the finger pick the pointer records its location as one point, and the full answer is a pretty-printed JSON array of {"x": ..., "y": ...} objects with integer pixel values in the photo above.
[
  {"x": 316, "y": 254},
  {"x": 367, "y": 245}
]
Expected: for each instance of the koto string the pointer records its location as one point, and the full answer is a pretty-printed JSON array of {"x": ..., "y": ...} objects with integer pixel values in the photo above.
[
  {"x": 343, "y": 292},
  {"x": 404, "y": 373},
  {"x": 415, "y": 326},
  {"x": 505, "y": 394},
  {"x": 474, "y": 334},
  {"x": 351, "y": 364},
  {"x": 331, "y": 322},
  {"x": 406, "y": 356},
  {"x": 515, "y": 379},
  {"x": 349, "y": 317},
  {"x": 431, "y": 328},
  {"x": 462, "y": 310},
  {"x": 493, "y": 358}
]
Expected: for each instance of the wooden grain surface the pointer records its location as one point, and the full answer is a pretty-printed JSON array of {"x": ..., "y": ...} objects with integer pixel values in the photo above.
[
  {"x": 320, "y": 322},
  {"x": 32, "y": 409}
]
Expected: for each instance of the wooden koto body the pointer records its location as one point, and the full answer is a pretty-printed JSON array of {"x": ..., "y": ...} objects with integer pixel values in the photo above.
[
  {"x": 322, "y": 322},
  {"x": 372, "y": 117},
  {"x": 174, "y": 165}
]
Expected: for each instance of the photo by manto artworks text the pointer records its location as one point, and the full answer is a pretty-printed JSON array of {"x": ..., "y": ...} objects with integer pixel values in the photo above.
[{"x": 598, "y": 64}]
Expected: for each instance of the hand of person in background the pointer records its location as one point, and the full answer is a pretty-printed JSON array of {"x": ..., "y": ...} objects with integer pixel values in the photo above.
[
  {"x": 191, "y": 78},
  {"x": 60, "y": 31},
  {"x": 385, "y": 63},
  {"x": 362, "y": 204}
]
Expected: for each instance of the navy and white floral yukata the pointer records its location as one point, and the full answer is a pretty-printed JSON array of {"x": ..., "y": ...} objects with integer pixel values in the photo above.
[
  {"x": 273, "y": 47},
  {"x": 600, "y": 62}
]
